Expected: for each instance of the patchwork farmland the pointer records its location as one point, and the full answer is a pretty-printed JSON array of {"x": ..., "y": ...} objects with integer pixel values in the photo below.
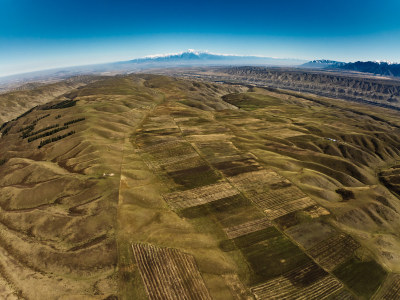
[
  {"x": 182, "y": 189},
  {"x": 240, "y": 200}
]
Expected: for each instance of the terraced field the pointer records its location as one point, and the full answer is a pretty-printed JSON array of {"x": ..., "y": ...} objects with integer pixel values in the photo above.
[{"x": 146, "y": 186}]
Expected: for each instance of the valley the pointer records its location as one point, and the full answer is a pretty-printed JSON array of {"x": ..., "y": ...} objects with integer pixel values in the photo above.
[{"x": 340, "y": 84}]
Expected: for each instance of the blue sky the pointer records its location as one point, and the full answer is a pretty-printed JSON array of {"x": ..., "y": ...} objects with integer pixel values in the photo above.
[{"x": 42, "y": 34}]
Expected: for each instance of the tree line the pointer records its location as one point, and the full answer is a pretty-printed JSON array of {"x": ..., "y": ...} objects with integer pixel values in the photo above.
[
  {"x": 54, "y": 139},
  {"x": 74, "y": 121},
  {"x": 51, "y": 132},
  {"x": 29, "y": 133}
]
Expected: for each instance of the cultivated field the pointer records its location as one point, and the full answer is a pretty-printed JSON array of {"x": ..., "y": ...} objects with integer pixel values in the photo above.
[
  {"x": 246, "y": 228},
  {"x": 169, "y": 273},
  {"x": 334, "y": 251},
  {"x": 306, "y": 282},
  {"x": 145, "y": 186},
  {"x": 201, "y": 195},
  {"x": 390, "y": 289}
]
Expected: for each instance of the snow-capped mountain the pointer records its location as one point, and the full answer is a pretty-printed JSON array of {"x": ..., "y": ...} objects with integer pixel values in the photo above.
[
  {"x": 385, "y": 68},
  {"x": 192, "y": 57},
  {"x": 189, "y": 58},
  {"x": 387, "y": 62},
  {"x": 323, "y": 63},
  {"x": 378, "y": 68}
]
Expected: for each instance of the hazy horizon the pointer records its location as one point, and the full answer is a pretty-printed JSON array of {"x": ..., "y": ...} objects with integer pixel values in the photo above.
[{"x": 45, "y": 34}]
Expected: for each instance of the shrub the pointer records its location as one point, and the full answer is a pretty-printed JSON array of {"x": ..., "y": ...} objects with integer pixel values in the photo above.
[{"x": 346, "y": 194}]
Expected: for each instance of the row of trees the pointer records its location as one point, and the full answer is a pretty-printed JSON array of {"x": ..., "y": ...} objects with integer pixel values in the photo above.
[
  {"x": 6, "y": 130},
  {"x": 42, "y": 117},
  {"x": 27, "y": 128},
  {"x": 30, "y": 133},
  {"x": 48, "y": 133},
  {"x": 74, "y": 121},
  {"x": 26, "y": 131},
  {"x": 62, "y": 104},
  {"x": 54, "y": 139}
]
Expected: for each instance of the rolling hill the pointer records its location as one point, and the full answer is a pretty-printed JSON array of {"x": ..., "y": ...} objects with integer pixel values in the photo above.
[{"x": 152, "y": 187}]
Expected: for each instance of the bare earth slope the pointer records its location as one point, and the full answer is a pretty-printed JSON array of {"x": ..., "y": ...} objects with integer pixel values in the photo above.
[
  {"x": 146, "y": 186},
  {"x": 353, "y": 86}
]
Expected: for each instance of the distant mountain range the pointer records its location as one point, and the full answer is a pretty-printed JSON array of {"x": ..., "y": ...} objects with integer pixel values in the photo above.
[
  {"x": 379, "y": 68},
  {"x": 323, "y": 63},
  {"x": 188, "y": 58},
  {"x": 373, "y": 67},
  {"x": 192, "y": 58},
  {"x": 196, "y": 58}
]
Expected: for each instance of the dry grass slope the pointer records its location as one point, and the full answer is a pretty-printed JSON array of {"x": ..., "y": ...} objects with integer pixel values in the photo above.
[{"x": 240, "y": 192}]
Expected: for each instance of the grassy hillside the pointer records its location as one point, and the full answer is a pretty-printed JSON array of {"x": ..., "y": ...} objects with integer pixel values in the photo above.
[
  {"x": 15, "y": 102},
  {"x": 147, "y": 186}
]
